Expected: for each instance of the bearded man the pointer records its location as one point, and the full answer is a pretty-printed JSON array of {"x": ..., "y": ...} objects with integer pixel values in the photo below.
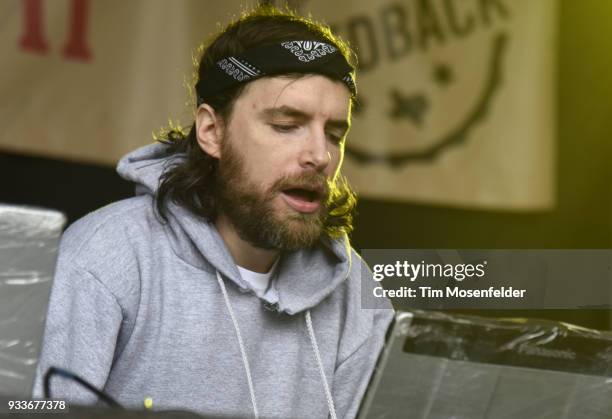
[{"x": 228, "y": 286}]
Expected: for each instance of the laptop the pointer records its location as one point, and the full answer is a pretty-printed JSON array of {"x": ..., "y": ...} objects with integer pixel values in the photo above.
[
  {"x": 29, "y": 240},
  {"x": 439, "y": 365}
]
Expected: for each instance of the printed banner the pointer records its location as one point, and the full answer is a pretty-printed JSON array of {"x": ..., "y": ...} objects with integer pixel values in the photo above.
[
  {"x": 457, "y": 100},
  {"x": 456, "y": 97},
  {"x": 91, "y": 80}
]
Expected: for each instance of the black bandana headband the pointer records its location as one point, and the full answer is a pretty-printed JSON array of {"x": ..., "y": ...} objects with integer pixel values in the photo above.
[{"x": 286, "y": 57}]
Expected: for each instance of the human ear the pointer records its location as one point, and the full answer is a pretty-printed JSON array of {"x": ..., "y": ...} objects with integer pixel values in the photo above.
[{"x": 209, "y": 130}]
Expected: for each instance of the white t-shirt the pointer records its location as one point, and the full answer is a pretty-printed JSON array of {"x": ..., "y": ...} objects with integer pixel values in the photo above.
[{"x": 261, "y": 283}]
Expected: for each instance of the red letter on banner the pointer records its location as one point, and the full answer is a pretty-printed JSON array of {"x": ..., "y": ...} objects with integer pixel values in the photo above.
[
  {"x": 77, "y": 48},
  {"x": 32, "y": 38}
]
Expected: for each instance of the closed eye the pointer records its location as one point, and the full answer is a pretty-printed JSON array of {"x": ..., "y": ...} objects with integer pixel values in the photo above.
[{"x": 284, "y": 128}]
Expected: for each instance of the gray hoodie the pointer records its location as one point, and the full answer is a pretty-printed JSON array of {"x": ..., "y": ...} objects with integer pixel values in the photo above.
[{"x": 144, "y": 309}]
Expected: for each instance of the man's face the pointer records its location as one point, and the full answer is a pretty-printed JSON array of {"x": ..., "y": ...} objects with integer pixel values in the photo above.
[{"x": 281, "y": 152}]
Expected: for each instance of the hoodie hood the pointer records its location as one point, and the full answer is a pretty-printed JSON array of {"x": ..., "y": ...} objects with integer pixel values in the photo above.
[{"x": 304, "y": 277}]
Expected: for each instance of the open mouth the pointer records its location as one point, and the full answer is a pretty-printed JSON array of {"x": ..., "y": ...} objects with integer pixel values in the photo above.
[
  {"x": 303, "y": 194},
  {"x": 303, "y": 199}
]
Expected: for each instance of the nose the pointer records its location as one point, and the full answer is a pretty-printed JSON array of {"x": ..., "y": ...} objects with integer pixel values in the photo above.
[{"x": 315, "y": 154}]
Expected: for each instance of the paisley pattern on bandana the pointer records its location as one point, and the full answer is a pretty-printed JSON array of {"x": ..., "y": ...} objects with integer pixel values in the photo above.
[
  {"x": 309, "y": 50},
  {"x": 239, "y": 70},
  {"x": 348, "y": 79}
]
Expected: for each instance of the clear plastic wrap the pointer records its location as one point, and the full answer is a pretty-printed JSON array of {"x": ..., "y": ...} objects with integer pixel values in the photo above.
[
  {"x": 28, "y": 251},
  {"x": 440, "y": 366}
]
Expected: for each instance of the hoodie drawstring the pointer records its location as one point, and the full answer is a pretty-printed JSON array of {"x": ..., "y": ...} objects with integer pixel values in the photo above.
[
  {"x": 315, "y": 348},
  {"x": 245, "y": 361}
]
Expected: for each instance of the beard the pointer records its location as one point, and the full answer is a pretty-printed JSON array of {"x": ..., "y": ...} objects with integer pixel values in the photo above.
[{"x": 249, "y": 207}]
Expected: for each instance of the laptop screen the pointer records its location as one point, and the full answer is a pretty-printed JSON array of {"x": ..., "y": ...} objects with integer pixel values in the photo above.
[{"x": 442, "y": 365}]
